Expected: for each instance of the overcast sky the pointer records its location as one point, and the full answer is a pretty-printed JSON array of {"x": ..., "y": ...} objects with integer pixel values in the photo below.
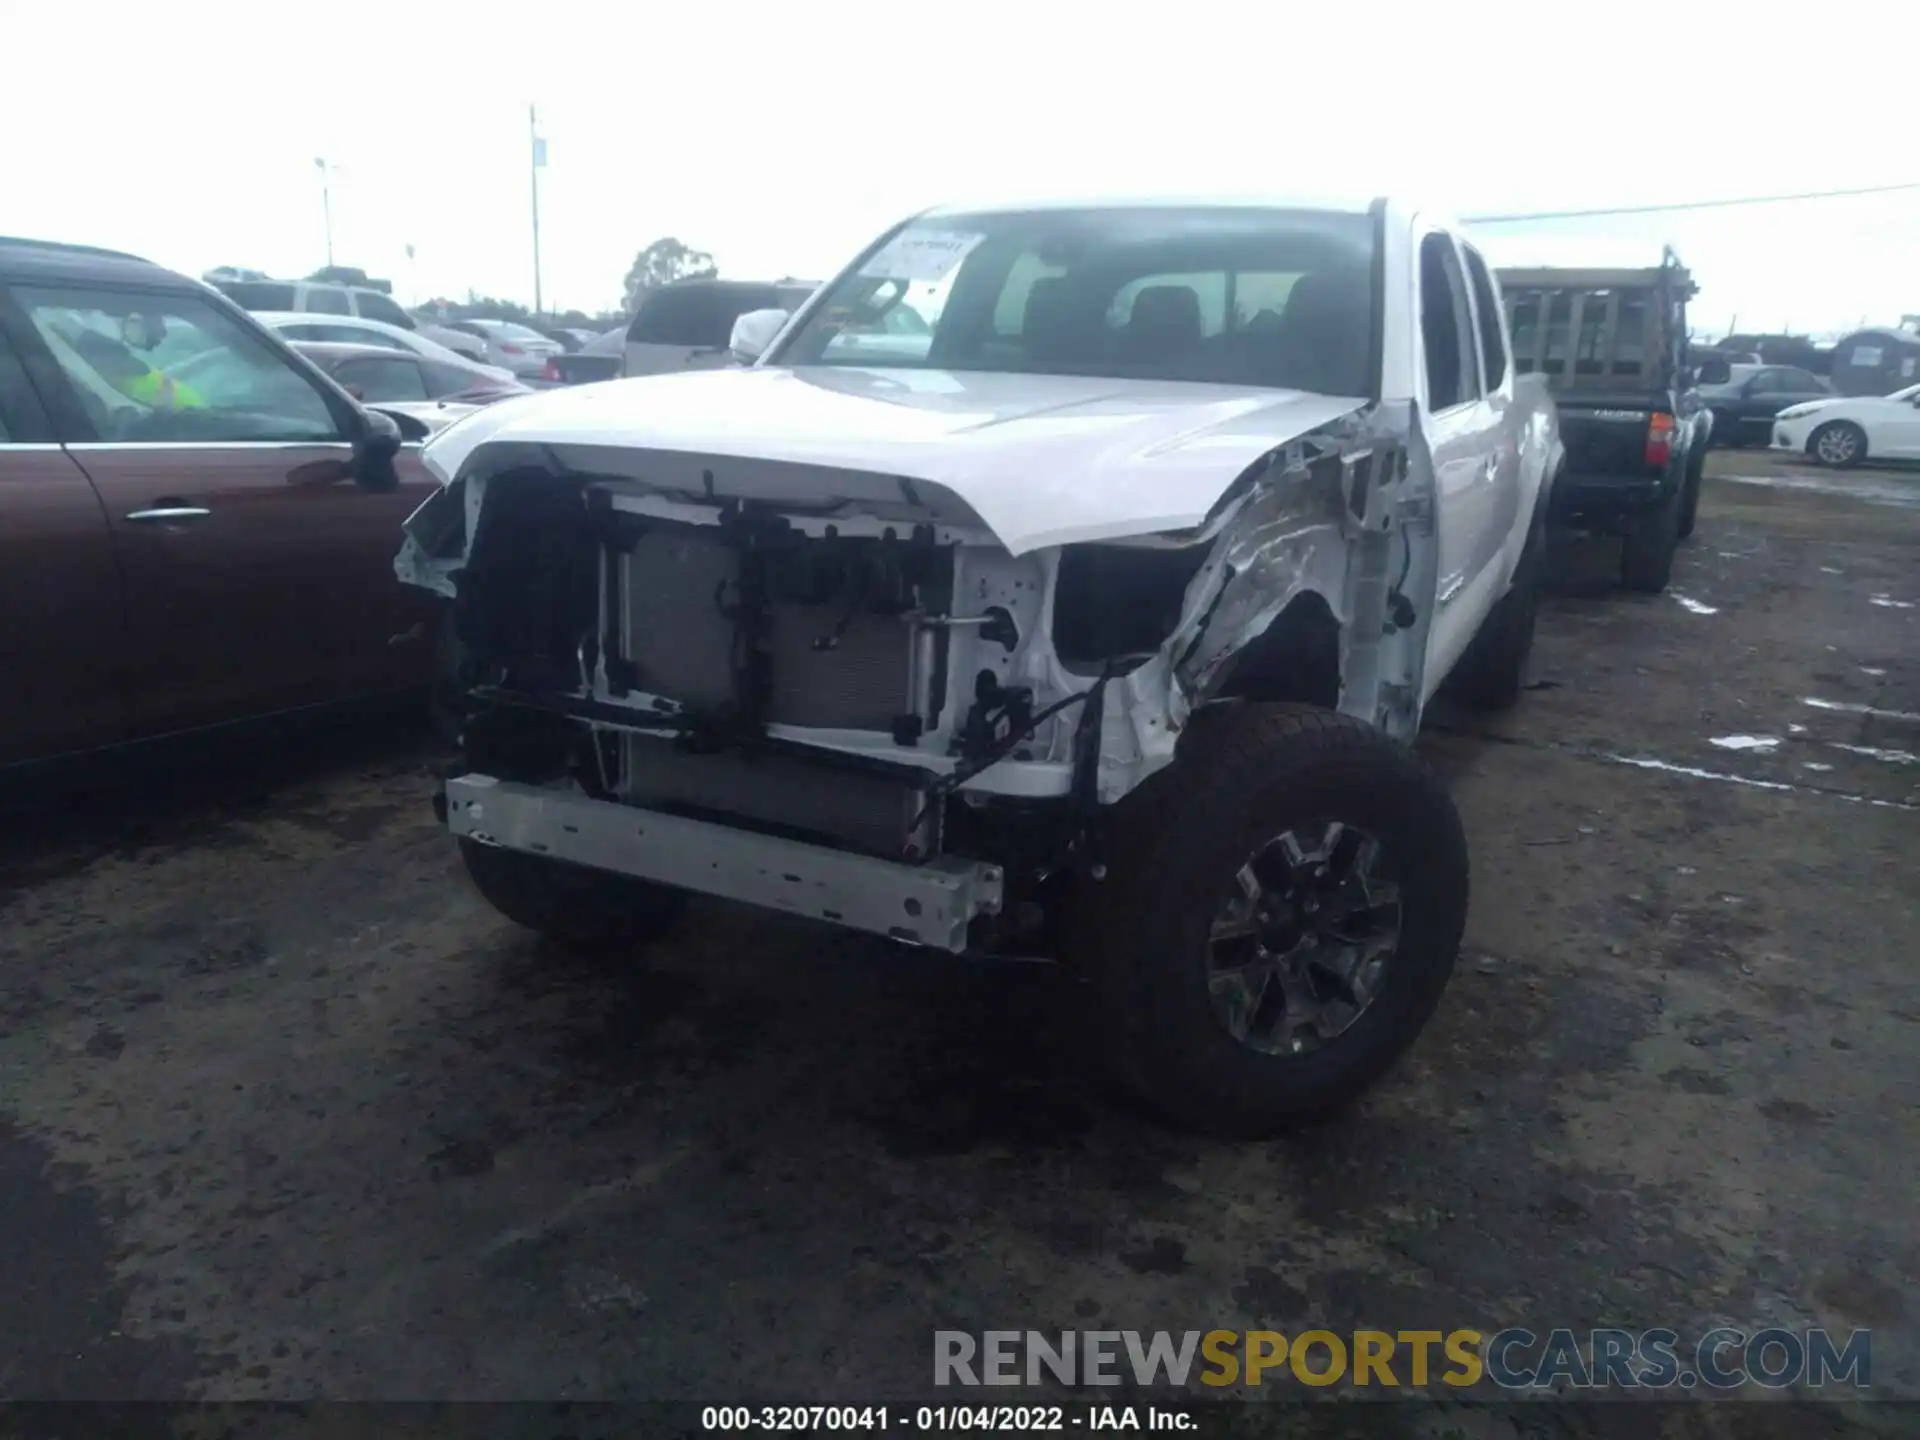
[{"x": 780, "y": 138}]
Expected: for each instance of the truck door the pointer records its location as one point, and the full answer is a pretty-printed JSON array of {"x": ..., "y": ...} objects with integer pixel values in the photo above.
[
  {"x": 1462, "y": 430},
  {"x": 1511, "y": 501}
]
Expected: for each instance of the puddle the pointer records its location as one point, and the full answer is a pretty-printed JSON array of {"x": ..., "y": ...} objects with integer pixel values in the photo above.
[
  {"x": 1892, "y": 757},
  {"x": 1886, "y": 602},
  {"x": 1873, "y": 670},
  {"x": 1694, "y": 772},
  {"x": 1853, "y": 707},
  {"x": 1745, "y": 742},
  {"x": 1796, "y": 729},
  {"x": 1645, "y": 763},
  {"x": 1873, "y": 490},
  {"x": 1831, "y": 570},
  {"x": 1696, "y": 606},
  {"x": 1818, "y": 765}
]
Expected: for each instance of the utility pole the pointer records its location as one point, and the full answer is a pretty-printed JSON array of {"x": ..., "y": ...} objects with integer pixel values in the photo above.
[
  {"x": 326, "y": 205},
  {"x": 538, "y": 148}
]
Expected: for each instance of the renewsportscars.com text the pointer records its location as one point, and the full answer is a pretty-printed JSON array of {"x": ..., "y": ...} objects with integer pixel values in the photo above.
[{"x": 1515, "y": 1358}]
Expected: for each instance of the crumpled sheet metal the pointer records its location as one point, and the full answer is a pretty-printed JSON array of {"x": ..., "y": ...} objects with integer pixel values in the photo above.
[{"x": 1290, "y": 536}]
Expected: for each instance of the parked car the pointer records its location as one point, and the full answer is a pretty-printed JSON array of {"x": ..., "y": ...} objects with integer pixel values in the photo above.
[
  {"x": 686, "y": 325},
  {"x": 599, "y": 359},
  {"x": 569, "y": 337},
  {"x": 1611, "y": 345},
  {"x": 519, "y": 348},
  {"x": 1097, "y": 631},
  {"x": 323, "y": 298},
  {"x": 378, "y": 376},
  {"x": 180, "y": 553},
  {"x": 1845, "y": 430},
  {"x": 1743, "y": 406},
  {"x": 358, "y": 330}
]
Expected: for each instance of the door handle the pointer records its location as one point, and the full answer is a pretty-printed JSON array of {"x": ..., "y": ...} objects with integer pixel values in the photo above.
[{"x": 165, "y": 514}]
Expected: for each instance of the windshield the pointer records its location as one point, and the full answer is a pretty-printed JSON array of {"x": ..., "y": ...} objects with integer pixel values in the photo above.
[{"x": 1280, "y": 298}]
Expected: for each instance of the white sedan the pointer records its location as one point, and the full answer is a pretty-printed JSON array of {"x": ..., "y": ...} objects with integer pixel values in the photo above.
[{"x": 1850, "y": 428}]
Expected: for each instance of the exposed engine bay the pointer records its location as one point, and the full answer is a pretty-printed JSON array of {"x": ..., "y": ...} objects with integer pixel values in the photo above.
[{"x": 858, "y": 680}]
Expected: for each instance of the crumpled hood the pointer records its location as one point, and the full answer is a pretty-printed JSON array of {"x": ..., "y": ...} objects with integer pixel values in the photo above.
[{"x": 1041, "y": 459}]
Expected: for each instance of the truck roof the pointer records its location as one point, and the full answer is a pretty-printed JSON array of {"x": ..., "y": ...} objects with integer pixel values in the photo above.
[{"x": 1341, "y": 204}]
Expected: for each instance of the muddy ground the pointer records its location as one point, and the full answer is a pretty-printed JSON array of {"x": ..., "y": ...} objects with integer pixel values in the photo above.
[{"x": 288, "y": 1112}]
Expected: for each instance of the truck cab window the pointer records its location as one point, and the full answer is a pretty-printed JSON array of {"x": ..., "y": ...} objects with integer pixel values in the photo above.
[
  {"x": 328, "y": 300},
  {"x": 1444, "y": 327},
  {"x": 1493, "y": 344}
]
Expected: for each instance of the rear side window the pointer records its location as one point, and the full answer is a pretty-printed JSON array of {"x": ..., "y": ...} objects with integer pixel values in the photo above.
[
  {"x": 698, "y": 316},
  {"x": 258, "y": 294},
  {"x": 327, "y": 300},
  {"x": 444, "y": 380},
  {"x": 376, "y": 306},
  {"x": 1493, "y": 343},
  {"x": 377, "y": 380},
  {"x": 1445, "y": 326}
]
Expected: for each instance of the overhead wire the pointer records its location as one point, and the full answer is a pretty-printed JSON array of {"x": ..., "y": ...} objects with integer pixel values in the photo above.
[{"x": 1721, "y": 204}]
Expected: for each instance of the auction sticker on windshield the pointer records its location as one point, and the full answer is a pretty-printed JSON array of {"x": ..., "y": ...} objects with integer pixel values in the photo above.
[{"x": 920, "y": 255}]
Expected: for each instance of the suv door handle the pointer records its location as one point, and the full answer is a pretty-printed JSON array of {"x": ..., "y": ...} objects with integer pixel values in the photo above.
[{"x": 166, "y": 511}]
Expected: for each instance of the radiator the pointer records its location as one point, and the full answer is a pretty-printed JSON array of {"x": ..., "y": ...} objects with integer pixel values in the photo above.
[{"x": 681, "y": 646}]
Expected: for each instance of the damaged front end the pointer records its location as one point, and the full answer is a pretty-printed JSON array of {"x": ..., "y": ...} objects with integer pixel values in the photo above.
[{"x": 838, "y": 693}]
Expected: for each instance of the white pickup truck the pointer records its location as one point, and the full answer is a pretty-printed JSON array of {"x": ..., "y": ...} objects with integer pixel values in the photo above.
[{"x": 1090, "y": 619}]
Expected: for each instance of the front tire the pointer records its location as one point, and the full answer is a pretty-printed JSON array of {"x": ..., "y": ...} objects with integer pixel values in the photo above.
[
  {"x": 1251, "y": 1005},
  {"x": 1839, "y": 443},
  {"x": 570, "y": 903}
]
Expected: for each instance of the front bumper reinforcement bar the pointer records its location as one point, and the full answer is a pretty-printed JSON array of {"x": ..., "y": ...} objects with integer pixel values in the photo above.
[{"x": 929, "y": 904}]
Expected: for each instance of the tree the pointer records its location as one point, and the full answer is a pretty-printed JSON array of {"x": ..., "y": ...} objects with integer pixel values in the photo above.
[{"x": 663, "y": 262}]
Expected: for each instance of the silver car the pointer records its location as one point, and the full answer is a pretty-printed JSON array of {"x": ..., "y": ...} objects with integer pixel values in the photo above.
[{"x": 519, "y": 348}]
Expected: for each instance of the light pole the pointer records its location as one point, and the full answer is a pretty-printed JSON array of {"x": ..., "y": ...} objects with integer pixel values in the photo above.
[
  {"x": 326, "y": 204},
  {"x": 538, "y": 148}
]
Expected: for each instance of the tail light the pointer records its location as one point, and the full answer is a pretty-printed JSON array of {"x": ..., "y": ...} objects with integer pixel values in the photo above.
[
  {"x": 551, "y": 371},
  {"x": 508, "y": 348},
  {"x": 1659, "y": 440}
]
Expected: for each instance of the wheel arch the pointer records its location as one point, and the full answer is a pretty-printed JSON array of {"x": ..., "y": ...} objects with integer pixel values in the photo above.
[{"x": 1296, "y": 658}]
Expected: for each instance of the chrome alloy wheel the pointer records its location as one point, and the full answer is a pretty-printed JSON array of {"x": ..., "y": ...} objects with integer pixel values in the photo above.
[
  {"x": 1300, "y": 946},
  {"x": 1837, "y": 445}
]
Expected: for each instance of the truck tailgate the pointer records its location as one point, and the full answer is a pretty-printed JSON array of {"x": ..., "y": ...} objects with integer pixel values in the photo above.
[{"x": 1606, "y": 435}]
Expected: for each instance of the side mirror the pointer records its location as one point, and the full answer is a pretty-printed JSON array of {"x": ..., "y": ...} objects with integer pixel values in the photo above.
[
  {"x": 356, "y": 392},
  {"x": 411, "y": 427},
  {"x": 380, "y": 440},
  {"x": 753, "y": 332}
]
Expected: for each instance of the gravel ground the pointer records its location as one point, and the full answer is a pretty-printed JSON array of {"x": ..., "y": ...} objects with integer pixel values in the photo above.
[{"x": 287, "y": 1112}]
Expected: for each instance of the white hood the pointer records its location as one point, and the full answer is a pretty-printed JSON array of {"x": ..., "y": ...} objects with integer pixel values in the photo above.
[{"x": 1041, "y": 459}]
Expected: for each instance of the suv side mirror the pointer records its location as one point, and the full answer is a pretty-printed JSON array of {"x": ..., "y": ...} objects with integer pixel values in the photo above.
[
  {"x": 753, "y": 332},
  {"x": 373, "y": 451}
]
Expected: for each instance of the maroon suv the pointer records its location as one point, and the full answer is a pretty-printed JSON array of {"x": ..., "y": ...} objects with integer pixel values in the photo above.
[{"x": 181, "y": 539}]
